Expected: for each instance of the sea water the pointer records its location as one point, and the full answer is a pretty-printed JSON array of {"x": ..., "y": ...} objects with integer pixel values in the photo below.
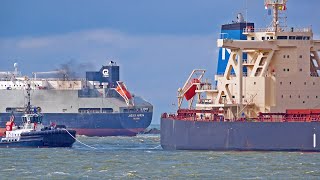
[{"x": 142, "y": 157}]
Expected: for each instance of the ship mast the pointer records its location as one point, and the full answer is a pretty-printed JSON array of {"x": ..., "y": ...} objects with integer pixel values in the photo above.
[
  {"x": 28, "y": 97},
  {"x": 276, "y": 6}
]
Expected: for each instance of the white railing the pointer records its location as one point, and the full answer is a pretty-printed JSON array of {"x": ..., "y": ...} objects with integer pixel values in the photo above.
[{"x": 272, "y": 29}]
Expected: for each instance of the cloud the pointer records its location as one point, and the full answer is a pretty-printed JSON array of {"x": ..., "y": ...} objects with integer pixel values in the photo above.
[{"x": 152, "y": 66}]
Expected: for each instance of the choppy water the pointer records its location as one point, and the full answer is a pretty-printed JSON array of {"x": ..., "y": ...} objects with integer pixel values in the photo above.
[{"x": 141, "y": 157}]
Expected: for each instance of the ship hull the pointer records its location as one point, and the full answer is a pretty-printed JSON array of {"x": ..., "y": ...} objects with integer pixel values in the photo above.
[
  {"x": 240, "y": 136},
  {"x": 90, "y": 124},
  {"x": 43, "y": 139}
]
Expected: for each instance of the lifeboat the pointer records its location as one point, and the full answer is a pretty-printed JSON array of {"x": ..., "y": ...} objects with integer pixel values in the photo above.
[
  {"x": 191, "y": 91},
  {"x": 122, "y": 90}
]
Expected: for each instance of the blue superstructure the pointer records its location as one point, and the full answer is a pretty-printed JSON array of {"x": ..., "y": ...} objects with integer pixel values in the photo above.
[{"x": 231, "y": 31}]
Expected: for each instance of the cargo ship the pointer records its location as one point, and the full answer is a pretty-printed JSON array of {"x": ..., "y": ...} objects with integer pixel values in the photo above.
[
  {"x": 97, "y": 105},
  {"x": 265, "y": 95}
]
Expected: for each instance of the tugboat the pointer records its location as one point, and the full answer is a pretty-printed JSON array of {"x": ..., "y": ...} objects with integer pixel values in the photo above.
[{"x": 32, "y": 133}]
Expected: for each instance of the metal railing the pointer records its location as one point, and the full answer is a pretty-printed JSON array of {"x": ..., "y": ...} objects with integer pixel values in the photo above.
[{"x": 271, "y": 29}]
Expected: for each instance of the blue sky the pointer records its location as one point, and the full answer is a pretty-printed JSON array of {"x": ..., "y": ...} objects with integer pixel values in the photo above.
[{"x": 157, "y": 43}]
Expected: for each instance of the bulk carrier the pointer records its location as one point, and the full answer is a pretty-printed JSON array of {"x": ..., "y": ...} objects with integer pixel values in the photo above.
[
  {"x": 266, "y": 99},
  {"x": 98, "y": 105}
]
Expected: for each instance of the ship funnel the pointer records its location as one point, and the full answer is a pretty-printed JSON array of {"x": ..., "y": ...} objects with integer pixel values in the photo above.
[{"x": 240, "y": 18}]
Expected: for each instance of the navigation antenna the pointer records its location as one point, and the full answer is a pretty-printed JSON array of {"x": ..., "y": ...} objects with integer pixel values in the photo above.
[{"x": 277, "y": 6}]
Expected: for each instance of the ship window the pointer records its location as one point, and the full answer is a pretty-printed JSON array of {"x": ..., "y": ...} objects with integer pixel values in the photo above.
[
  {"x": 252, "y": 38},
  {"x": 303, "y": 102},
  {"x": 314, "y": 83},
  {"x": 300, "y": 69},
  {"x": 307, "y": 38},
  {"x": 281, "y": 96},
  {"x": 107, "y": 110},
  {"x": 89, "y": 110},
  {"x": 317, "y": 97},
  {"x": 280, "y": 83},
  {"x": 300, "y": 56},
  {"x": 305, "y": 83},
  {"x": 290, "y": 96},
  {"x": 288, "y": 56},
  {"x": 287, "y": 69},
  {"x": 292, "y": 37},
  {"x": 271, "y": 37},
  {"x": 284, "y": 56},
  {"x": 267, "y": 37},
  {"x": 254, "y": 83},
  {"x": 308, "y": 97},
  {"x": 299, "y": 96},
  {"x": 263, "y": 38},
  {"x": 290, "y": 83},
  {"x": 299, "y": 38},
  {"x": 282, "y": 37}
]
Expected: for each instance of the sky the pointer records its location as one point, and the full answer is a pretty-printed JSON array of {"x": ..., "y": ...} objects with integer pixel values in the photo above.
[{"x": 156, "y": 43}]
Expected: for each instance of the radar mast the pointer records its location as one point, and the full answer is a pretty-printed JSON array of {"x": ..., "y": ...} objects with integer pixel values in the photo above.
[{"x": 276, "y": 6}]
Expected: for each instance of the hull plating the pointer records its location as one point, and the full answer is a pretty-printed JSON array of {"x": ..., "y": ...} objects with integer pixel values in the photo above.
[
  {"x": 42, "y": 139},
  {"x": 115, "y": 124},
  {"x": 242, "y": 136}
]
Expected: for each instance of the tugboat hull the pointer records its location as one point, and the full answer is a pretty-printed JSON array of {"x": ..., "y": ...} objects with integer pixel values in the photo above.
[{"x": 42, "y": 139}]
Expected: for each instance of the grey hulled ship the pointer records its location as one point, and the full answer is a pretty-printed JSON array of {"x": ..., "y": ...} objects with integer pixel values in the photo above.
[{"x": 265, "y": 97}]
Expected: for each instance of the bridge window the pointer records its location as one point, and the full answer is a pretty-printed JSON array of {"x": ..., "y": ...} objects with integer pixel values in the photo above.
[
  {"x": 299, "y": 38},
  {"x": 292, "y": 37},
  {"x": 282, "y": 37}
]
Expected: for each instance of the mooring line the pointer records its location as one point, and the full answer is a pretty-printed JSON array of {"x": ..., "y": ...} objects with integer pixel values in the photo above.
[
  {"x": 79, "y": 140},
  {"x": 157, "y": 147}
]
